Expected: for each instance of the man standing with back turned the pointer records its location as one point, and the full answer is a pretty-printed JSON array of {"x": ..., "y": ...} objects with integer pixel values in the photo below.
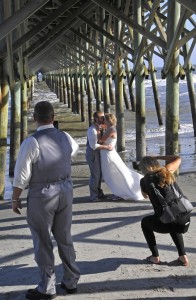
[{"x": 44, "y": 163}]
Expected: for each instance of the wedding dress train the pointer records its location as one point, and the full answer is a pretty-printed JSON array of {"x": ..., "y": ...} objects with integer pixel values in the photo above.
[{"x": 122, "y": 181}]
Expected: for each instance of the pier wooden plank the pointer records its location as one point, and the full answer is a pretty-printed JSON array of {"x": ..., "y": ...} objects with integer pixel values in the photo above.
[{"x": 20, "y": 16}]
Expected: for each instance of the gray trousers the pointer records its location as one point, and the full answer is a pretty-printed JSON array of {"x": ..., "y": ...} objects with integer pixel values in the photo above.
[
  {"x": 49, "y": 210},
  {"x": 94, "y": 162}
]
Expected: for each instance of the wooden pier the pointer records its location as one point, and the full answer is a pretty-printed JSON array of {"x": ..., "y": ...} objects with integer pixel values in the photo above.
[{"x": 87, "y": 48}]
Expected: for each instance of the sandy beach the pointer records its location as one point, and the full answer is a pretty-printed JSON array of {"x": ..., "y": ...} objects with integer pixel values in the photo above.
[{"x": 110, "y": 248}]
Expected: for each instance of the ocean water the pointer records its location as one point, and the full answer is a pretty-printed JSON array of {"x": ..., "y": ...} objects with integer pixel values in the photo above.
[{"x": 155, "y": 134}]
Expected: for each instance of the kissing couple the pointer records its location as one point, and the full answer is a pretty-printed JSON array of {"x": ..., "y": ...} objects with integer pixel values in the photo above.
[{"x": 105, "y": 163}]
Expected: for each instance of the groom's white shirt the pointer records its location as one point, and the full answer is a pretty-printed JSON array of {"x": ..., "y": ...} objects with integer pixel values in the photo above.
[{"x": 92, "y": 137}]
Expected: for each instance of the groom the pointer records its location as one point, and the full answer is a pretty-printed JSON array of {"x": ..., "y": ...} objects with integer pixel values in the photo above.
[{"x": 93, "y": 156}]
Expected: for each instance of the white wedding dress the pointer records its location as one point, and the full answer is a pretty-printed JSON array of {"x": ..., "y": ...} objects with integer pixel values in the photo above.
[{"x": 122, "y": 181}]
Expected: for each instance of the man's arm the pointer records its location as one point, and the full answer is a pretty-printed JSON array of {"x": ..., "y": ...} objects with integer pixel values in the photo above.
[
  {"x": 105, "y": 147},
  {"x": 22, "y": 173},
  {"x": 74, "y": 145},
  {"x": 92, "y": 137}
]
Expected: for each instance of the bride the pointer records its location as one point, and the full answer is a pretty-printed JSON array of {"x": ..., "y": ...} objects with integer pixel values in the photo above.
[{"x": 123, "y": 182}]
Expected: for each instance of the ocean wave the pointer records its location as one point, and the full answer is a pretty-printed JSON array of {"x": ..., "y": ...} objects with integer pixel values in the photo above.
[
  {"x": 194, "y": 78},
  {"x": 130, "y": 134},
  {"x": 184, "y": 94},
  {"x": 162, "y": 82}
]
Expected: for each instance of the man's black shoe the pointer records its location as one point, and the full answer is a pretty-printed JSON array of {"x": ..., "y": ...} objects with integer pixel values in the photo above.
[
  {"x": 34, "y": 294},
  {"x": 69, "y": 291}
]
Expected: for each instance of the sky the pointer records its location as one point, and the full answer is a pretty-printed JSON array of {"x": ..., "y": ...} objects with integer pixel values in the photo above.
[{"x": 158, "y": 62}]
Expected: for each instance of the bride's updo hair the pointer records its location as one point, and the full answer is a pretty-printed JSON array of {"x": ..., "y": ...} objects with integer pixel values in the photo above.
[
  {"x": 111, "y": 119},
  {"x": 150, "y": 165}
]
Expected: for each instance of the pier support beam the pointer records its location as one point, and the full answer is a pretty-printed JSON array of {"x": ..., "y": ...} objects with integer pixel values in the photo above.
[
  {"x": 130, "y": 87},
  {"x": 112, "y": 94},
  {"x": 155, "y": 92},
  {"x": 98, "y": 86},
  {"x": 72, "y": 79},
  {"x": 118, "y": 77},
  {"x": 90, "y": 95},
  {"x": 64, "y": 87},
  {"x": 82, "y": 95},
  {"x": 192, "y": 95},
  {"x": 24, "y": 108},
  {"x": 68, "y": 83},
  {"x": 77, "y": 90},
  {"x": 106, "y": 92},
  {"x": 172, "y": 84},
  {"x": 4, "y": 99},
  {"x": 120, "y": 107},
  {"x": 139, "y": 87},
  {"x": 190, "y": 85},
  {"x": 15, "y": 128}
]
